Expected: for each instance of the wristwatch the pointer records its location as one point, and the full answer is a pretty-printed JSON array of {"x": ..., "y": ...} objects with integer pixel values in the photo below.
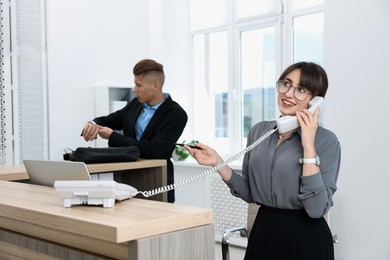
[{"x": 315, "y": 160}]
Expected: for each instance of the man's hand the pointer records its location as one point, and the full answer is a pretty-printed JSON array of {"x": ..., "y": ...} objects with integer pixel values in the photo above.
[
  {"x": 105, "y": 132},
  {"x": 90, "y": 131}
]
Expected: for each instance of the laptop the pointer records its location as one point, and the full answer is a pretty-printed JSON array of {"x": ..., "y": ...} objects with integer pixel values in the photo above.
[{"x": 43, "y": 172}]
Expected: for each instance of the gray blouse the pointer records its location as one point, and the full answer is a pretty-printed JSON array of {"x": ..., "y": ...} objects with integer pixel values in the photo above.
[{"x": 272, "y": 175}]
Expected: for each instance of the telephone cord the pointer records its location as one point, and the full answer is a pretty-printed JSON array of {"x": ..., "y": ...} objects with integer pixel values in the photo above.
[{"x": 208, "y": 171}]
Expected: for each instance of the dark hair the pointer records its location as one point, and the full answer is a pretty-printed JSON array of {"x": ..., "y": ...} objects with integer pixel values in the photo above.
[
  {"x": 149, "y": 67},
  {"x": 313, "y": 77}
]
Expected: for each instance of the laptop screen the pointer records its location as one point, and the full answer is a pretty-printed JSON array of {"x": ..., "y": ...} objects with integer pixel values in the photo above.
[{"x": 43, "y": 172}]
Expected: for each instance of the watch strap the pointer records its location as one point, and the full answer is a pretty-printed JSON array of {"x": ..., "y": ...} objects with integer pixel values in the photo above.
[
  {"x": 315, "y": 160},
  {"x": 307, "y": 160}
]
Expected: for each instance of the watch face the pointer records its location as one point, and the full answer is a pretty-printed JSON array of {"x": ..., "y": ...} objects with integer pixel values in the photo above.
[{"x": 317, "y": 158}]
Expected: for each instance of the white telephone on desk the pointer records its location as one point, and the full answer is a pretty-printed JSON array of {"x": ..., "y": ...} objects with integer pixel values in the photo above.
[{"x": 287, "y": 123}]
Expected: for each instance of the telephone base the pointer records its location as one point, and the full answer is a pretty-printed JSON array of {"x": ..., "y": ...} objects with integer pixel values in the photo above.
[
  {"x": 83, "y": 200},
  {"x": 104, "y": 193}
]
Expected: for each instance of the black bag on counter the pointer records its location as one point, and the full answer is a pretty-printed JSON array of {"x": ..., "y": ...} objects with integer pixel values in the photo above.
[{"x": 105, "y": 155}]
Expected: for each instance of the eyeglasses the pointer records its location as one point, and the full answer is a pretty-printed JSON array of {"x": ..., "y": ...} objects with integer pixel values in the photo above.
[{"x": 284, "y": 85}]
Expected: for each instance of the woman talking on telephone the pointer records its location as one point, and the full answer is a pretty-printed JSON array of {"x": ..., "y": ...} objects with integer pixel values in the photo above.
[{"x": 292, "y": 175}]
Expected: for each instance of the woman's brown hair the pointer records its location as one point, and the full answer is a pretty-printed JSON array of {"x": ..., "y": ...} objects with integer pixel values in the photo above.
[{"x": 313, "y": 77}]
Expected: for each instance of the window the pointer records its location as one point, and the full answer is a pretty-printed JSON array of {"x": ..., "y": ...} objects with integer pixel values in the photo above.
[
  {"x": 239, "y": 49},
  {"x": 308, "y": 37},
  {"x": 211, "y": 87},
  {"x": 251, "y": 8},
  {"x": 300, "y": 4},
  {"x": 207, "y": 14},
  {"x": 258, "y": 55}
]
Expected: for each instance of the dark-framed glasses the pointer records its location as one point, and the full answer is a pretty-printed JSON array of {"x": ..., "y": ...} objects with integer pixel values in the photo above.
[{"x": 284, "y": 85}]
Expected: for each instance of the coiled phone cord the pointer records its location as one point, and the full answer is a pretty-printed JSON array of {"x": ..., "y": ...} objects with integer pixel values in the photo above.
[{"x": 210, "y": 170}]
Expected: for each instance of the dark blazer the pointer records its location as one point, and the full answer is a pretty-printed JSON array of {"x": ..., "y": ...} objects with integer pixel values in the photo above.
[{"x": 160, "y": 135}]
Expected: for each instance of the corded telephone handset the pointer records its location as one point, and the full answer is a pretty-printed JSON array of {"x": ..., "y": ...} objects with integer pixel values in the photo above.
[
  {"x": 287, "y": 123},
  {"x": 284, "y": 124}
]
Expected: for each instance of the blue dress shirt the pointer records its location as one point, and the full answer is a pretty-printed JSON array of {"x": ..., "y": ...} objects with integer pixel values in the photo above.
[{"x": 145, "y": 116}]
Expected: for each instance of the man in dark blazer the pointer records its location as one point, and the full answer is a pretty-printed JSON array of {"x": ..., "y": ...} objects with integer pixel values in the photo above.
[{"x": 152, "y": 121}]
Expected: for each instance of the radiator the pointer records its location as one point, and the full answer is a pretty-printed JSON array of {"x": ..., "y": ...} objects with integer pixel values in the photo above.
[{"x": 229, "y": 211}]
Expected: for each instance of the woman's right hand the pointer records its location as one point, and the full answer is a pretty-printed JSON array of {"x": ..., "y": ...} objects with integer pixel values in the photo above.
[
  {"x": 209, "y": 157},
  {"x": 204, "y": 156}
]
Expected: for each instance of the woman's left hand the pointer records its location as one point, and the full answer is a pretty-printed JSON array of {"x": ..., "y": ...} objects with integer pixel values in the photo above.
[{"x": 309, "y": 125}]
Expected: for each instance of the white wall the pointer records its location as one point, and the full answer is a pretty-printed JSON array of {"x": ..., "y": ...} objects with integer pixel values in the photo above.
[
  {"x": 97, "y": 42},
  {"x": 357, "y": 59},
  {"x": 90, "y": 42},
  {"x": 176, "y": 56}
]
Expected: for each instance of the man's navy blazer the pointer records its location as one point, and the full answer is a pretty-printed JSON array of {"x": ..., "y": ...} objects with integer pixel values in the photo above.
[{"x": 160, "y": 135}]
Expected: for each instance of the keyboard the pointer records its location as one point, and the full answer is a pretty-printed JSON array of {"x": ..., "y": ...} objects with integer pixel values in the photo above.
[{"x": 93, "y": 192}]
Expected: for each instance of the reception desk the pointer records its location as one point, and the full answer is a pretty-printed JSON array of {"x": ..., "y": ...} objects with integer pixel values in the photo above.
[
  {"x": 144, "y": 174},
  {"x": 34, "y": 223}
]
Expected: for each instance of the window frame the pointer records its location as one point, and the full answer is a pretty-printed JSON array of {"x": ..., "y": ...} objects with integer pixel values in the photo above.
[{"x": 282, "y": 21}]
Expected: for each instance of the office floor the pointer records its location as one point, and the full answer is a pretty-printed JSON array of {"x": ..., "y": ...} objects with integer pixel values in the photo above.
[{"x": 236, "y": 253}]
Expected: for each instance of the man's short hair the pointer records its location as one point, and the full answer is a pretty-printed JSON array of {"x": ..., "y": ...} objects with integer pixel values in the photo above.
[{"x": 147, "y": 66}]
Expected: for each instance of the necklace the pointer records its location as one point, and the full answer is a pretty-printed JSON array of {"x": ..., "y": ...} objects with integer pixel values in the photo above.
[{"x": 283, "y": 137}]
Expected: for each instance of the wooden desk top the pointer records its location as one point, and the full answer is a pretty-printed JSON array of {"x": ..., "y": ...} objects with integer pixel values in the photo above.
[
  {"x": 18, "y": 172},
  {"x": 139, "y": 164},
  {"x": 25, "y": 207},
  {"x": 13, "y": 173}
]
